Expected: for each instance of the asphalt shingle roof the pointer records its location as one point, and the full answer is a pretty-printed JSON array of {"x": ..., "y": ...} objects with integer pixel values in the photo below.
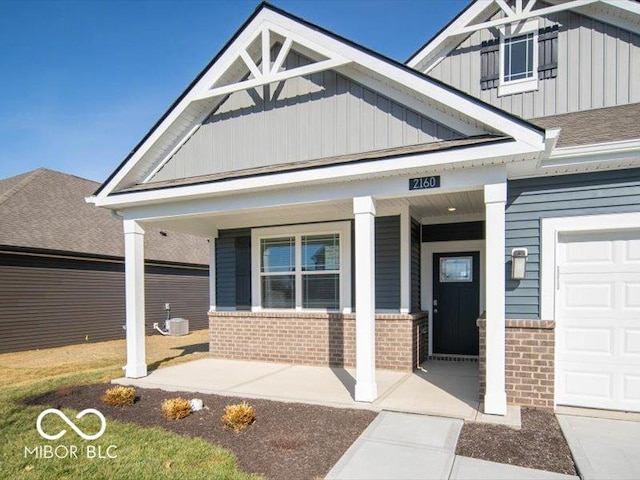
[
  {"x": 45, "y": 209},
  {"x": 602, "y": 125}
]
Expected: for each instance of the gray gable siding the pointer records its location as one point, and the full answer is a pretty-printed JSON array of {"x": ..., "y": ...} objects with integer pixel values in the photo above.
[
  {"x": 531, "y": 200},
  {"x": 316, "y": 116},
  {"x": 598, "y": 66}
]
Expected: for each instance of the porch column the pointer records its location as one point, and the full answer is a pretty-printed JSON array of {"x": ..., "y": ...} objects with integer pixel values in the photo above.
[
  {"x": 364, "y": 209},
  {"x": 212, "y": 271},
  {"x": 134, "y": 288},
  {"x": 495, "y": 398}
]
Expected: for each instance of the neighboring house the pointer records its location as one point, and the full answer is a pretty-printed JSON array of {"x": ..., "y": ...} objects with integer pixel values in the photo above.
[
  {"x": 361, "y": 212},
  {"x": 62, "y": 267}
]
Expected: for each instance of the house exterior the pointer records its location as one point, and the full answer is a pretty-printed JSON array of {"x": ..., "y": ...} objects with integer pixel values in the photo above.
[
  {"x": 62, "y": 267},
  {"x": 480, "y": 202}
]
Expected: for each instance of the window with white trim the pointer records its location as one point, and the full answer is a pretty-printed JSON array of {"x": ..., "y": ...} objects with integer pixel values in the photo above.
[
  {"x": 518, "y": 58},
  {"x": 308, "y": 269}
]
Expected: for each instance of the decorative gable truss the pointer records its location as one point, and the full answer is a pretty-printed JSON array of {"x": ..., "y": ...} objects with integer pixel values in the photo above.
[
  {"x": 515, "y": 13},
  {"x": 255, "y": 59}
]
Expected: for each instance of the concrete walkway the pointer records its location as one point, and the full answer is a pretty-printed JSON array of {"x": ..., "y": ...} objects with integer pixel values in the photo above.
[
  {"x": 415, "y": 447},
  {"x": 602, "y": 448},
  {"x": 448, "y": 389}
]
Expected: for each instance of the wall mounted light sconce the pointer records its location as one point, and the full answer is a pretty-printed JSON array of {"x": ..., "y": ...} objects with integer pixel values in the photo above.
[{"x": 518, "y": 263}]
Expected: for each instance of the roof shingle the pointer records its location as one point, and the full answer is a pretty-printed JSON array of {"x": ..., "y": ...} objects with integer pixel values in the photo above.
[
  {"x": 45, "y": 209},
  {"x": 602, "y": 125}
]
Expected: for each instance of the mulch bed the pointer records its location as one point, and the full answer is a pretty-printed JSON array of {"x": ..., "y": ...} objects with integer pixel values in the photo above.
[
  {"x": 286, "y": 441},
  {"x": 539, "y": 444}
]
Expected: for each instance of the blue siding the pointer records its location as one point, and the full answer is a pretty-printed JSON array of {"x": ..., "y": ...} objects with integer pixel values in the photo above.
[
  {"x": 415, "y": 265},
  {"x": 387, "y": 263},
  {"x": 233, "y": 269},
  {"x": 531, "y": 200}
]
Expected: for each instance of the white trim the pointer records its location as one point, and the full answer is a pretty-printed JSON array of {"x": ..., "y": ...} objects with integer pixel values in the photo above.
[
  {"x": 341, "y": 228},
  {"x": 551, "y": 228},
  {"x": 427, "y": 249},
  {"x": 525, "y": 84},
  {"x": 493, "y": 154}
]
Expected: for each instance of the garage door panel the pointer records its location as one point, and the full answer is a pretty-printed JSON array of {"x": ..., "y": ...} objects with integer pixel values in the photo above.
[
  {"x": 598, "y": 321},
  {"x": 590, "y": 341},
  {"x": 587, "y": 295}
]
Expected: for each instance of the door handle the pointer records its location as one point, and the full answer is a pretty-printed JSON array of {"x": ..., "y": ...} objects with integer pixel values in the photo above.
[
  {"x": 435, "y": 302},
  {"x": 435, "y": 310}
]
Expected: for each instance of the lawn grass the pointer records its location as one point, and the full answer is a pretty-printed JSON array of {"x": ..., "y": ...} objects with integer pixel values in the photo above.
[{"x": 141, "y": 452}]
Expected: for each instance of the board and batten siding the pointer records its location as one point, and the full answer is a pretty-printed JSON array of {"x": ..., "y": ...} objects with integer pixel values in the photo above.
[
  {"x": 531, "y": 200},
  {"x": 233, "y": 266},
  {"x": 316, "y": 116},
  {"x": 598, "y": 66},
  {"x": 48, "y": 302}
]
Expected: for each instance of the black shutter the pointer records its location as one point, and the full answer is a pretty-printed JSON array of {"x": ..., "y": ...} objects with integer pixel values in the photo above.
[
  {"x": 547, "y": 58},
  {"x": 489, "y": 64},
  {"x": 548, "y": 52}
]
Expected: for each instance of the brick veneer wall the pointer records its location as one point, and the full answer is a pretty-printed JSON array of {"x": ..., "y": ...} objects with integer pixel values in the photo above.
[
  {"x": 529, "y": 359},
  {"x": 316, "y": 338}
]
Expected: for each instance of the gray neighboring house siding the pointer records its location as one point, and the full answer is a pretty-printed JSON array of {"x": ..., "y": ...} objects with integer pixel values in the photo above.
[
  {"x": 53, "y": 302},
  {"x": 598, "y": 66},
  {"x": 530, "y": 200},
  {"x": 233, "y": 266},
  {"x": 316, "y": 116}
]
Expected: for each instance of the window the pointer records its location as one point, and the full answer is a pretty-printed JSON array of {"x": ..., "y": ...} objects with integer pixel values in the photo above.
[
  {"x": 518, "y": 59},
  {"x": 302, "y": 267},
  {"x": 456, "y": 269}
]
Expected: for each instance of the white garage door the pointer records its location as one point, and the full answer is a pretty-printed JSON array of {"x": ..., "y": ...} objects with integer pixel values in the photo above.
[{"x": 598, "y": 321}]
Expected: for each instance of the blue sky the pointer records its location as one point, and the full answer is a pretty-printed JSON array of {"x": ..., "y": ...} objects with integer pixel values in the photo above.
[{"x": 82, "y": 82}]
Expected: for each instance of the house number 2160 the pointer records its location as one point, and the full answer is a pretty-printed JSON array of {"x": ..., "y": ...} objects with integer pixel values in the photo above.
[{"x": 424, "y": 182}]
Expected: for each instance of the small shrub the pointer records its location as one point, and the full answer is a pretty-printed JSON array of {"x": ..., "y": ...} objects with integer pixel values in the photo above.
[
  {"x": 65, "y": 392},
  {"x": 238, "y": 416},
  {"x": 176, "y": 408},
  {"x": 119, "y": 396}
]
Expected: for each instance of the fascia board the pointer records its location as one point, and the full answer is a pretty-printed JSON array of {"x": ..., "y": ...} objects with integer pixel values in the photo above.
[{"x": 498, "y": 153}]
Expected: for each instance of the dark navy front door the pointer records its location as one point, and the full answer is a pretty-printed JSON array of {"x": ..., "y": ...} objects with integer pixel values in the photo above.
[{"x": 456, "y": 302}]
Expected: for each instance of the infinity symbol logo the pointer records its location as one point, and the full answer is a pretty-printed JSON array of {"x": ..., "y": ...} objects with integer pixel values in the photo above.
[{"x": 71, "y": 424}]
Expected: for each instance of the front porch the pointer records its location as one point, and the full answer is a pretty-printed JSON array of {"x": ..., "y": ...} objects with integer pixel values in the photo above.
[{"x": 448, "y": 389}]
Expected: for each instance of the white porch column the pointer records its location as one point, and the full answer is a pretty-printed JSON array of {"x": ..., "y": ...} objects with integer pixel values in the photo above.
[
  {"x": 364, "y": 209},
  {"x": 212, "y": 271},
  {"x": 134, "y": 286},
  {"x": 495, "y": 398}
]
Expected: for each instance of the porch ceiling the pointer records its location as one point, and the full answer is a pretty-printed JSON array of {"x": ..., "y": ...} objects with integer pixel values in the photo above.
[{"x": 428, "y": 205}]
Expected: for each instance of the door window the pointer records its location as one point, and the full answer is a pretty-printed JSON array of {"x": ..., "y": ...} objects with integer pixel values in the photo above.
[{"x": 456, "y": 269}]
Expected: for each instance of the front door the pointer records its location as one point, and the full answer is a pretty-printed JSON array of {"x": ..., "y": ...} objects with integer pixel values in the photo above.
[{"x": 456, "y": 302}]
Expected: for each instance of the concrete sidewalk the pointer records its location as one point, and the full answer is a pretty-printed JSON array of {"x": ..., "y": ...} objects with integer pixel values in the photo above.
[
  {"x": 602, "y": 448},
  {"x": 415, "y": 447}
]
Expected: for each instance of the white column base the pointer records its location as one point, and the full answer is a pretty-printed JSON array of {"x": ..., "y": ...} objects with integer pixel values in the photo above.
[
  {"x": 138, "y": 370},
  {"x": 495, "y": 404},
  {"x": 366, "y": 392}
]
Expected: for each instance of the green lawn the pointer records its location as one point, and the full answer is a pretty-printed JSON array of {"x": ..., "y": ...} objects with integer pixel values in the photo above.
[{"x": 141, "y": 452}]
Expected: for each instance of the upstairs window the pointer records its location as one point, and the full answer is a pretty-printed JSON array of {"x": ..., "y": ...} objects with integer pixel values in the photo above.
[
  {"x": 518, "y": 58},
  {"x": 515, "y": 61}
]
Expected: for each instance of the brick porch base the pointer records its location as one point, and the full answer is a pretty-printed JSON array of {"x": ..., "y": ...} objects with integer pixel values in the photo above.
[
  {"x": 316, "y": 338},
  {"x": 529, "y": 361}
]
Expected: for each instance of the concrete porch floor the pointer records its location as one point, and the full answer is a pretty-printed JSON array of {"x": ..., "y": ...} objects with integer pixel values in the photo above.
[{"x": 448, "y": 389}]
